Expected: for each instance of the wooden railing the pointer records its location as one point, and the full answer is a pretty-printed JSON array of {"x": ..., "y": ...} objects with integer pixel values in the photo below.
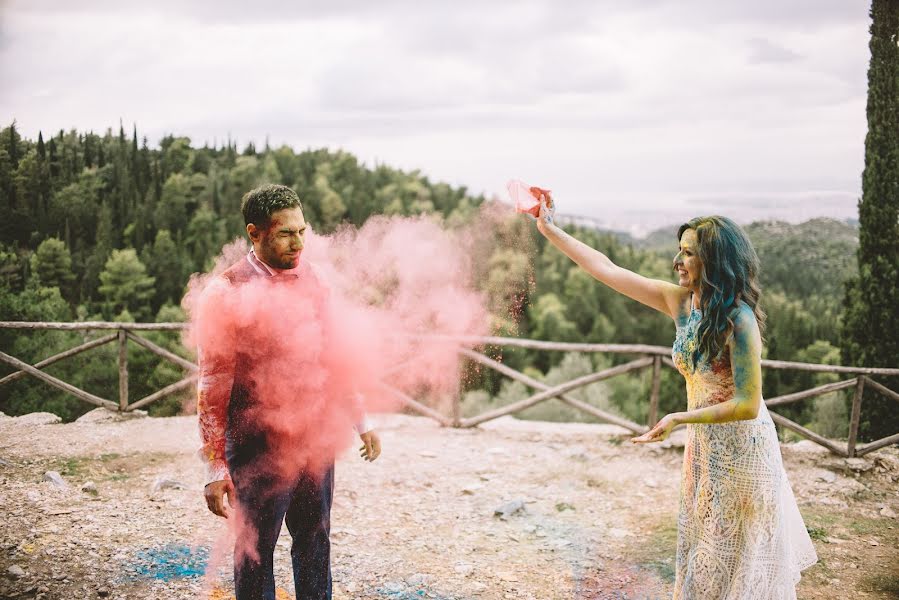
[
  {"x": 123, "y": 333},
  {"x": 646, "y": 357},
  {"x": 656, "y": 356}
]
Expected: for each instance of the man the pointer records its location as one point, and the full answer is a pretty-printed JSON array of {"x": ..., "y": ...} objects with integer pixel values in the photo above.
[{"x": 252, "y": 433}]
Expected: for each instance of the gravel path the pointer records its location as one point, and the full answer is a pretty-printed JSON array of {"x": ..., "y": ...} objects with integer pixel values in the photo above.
[{"x": 587, "y": 515}]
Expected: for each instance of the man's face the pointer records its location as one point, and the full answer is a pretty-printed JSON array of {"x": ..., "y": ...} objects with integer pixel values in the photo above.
[{"x": 281, "y": 244}]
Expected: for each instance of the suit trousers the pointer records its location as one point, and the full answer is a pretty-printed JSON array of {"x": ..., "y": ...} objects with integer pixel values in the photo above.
[{"x": 266, "y": 499}]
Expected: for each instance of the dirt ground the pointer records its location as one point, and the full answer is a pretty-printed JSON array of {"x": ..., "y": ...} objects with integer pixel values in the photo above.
[{"x": 596, "y": 515}]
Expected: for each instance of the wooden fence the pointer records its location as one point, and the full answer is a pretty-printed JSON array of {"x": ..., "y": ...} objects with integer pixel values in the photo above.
[
  {"x": 123, "y": 333},
  {"x": 654, "y": 357}
]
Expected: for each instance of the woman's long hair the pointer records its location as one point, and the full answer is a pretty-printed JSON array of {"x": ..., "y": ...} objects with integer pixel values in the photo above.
[{"x": 729, "y": 275}]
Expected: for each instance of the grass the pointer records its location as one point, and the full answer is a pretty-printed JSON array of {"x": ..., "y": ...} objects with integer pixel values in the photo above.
[
  {"x": 657, "y": 553},
  {"x": 664, "y": 569},
  {"x": 879, "y": 526},
  {"x": 71, "y": 467},
  {"x": 110, "y": 466},
  {"x": 883, "y": 582},
  {"x": 877, "y": 573},
  {"x": 822, "y": 524}
]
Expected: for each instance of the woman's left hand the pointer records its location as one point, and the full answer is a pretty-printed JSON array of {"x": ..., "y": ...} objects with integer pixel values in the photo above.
[
  {"x": 547, "y": 208},
  {"x": 660, "y": 432}
]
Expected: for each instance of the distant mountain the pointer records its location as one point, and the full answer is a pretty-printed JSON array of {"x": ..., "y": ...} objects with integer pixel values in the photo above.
[
  {"x": 815, "y": 257},
  {"x": 662, "y": 240}
]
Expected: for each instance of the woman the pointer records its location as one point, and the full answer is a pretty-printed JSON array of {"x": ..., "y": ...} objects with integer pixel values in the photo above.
[{"x": 740, "y": 534}]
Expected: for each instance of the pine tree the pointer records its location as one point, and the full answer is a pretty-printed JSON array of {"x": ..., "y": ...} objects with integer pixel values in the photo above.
[
  {"x": 165, "y": 262},
  {"x": 51, "y": 264},
  {"x": 871, "y": 321},
  {"x": 27, "y": 189},
  {"x": 125, "y": 285}
]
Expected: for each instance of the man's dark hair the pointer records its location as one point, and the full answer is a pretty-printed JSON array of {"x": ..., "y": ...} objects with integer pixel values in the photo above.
[{"x": 259, "y": 204}]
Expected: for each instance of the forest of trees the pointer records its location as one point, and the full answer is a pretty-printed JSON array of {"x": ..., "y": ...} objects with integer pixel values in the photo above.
[{"x": 104, "y": 227}]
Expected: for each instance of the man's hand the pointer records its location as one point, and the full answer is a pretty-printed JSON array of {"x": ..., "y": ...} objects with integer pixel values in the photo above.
[
  {"x": 215, "y": 493},
  {"x": 371, "y": 445}
]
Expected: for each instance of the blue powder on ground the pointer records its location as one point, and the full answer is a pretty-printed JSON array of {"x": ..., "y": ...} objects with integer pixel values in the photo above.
[
  {"x": 403, "y": 595},
  {"x": 408, "y": 595},
  {"x": 169, "y": 562}
]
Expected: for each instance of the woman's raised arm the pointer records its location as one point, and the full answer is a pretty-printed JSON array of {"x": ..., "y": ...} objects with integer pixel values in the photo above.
[{"x": 661, "y": 295}]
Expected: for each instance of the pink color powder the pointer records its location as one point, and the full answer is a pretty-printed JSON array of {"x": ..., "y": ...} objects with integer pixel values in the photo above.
[
  {"x": 321, "y": 347},
  {"x": 525, "y": 198}
]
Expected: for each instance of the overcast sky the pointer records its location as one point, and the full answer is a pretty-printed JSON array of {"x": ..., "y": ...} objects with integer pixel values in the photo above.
[{"x": 635, "y": 113}]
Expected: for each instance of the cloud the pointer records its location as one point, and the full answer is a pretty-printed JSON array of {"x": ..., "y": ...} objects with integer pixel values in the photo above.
[
  {"x": 812, "y": 14},
  {"x": 650, "y": 102},
  {"x": 764, "y": 51}
]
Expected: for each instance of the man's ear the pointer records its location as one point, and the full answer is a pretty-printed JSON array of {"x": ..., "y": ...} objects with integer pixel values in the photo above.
[{"x": 252, "y": 231}]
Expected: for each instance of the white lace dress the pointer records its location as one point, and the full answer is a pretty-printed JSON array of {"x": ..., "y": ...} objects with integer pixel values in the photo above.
[{"x": 740, "y": 534}]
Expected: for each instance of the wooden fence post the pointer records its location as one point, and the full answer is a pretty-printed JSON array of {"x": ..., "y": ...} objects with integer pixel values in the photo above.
[
  {"x": 856, "y": 412},
  {"x": 654, "y": 396},
  {"x": 123, "y": 370}
]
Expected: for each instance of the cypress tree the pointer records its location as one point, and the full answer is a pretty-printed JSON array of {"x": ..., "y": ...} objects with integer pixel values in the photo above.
[
  {"x": 871, "y": 320},
  {"x": 157, "y": 182},
  {"x": 89, "y": 150},
  {"x": 43, "y": 184},
  {"x": 53, "y": 159},
  {"x": 144, "y": 173},
  {"x": 135, "y": 169},
  {"x": 12, "y": 147}
]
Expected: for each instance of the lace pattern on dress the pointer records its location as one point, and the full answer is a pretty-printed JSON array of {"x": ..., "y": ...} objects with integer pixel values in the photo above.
[{"x": 740, "y": 534}]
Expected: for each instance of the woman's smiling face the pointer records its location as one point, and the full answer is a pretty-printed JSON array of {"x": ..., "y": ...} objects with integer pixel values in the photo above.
[{"x": 687, "y": 262}]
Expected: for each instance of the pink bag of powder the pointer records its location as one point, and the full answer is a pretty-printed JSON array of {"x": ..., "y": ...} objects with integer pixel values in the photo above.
[{"x": 525, "y": 198}]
